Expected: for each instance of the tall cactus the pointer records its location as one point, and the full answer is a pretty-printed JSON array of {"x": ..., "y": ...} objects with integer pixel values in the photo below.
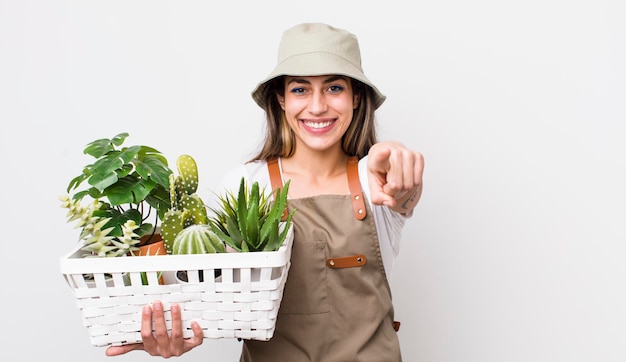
[{"x": 187, "y": 208}]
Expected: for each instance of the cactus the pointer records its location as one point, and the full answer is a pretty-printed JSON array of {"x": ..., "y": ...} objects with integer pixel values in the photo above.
[
  {"x": 197, "y": 239},
  {"x": 186, "y": 207}
]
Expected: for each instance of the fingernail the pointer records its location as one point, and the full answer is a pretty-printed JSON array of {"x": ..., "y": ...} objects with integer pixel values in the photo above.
[{"x": 157, "y": 306}]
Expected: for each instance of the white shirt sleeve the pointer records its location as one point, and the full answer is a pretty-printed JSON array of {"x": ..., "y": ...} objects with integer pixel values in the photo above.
[{"x": 389, "y": 223}]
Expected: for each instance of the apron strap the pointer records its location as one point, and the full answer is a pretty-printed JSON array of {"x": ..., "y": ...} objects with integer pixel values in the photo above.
[
  {"x": 354, "y": 184},
  {"x": 276, "y": 180},
  {"x": 356, "y": 193}
]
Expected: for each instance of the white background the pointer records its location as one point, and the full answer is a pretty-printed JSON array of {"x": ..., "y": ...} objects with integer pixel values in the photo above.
[{"x": 516, "y": 252}]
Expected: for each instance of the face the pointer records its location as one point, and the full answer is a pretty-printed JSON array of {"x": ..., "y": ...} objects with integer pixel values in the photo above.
[{"x": 318, "y": 109}]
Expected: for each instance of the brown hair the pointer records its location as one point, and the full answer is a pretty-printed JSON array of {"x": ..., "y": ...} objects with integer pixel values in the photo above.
[{"x": 280, "y": 141}]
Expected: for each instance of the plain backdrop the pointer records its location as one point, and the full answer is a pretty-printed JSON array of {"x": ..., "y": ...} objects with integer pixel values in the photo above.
[{"x": 516, "y": 252}]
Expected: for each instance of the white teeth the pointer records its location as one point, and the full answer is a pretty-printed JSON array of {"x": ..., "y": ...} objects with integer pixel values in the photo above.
[{"x": 317, "y": 124}]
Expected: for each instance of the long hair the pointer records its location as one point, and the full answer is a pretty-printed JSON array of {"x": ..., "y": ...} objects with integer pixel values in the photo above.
[{"x": 280, "y": 141}]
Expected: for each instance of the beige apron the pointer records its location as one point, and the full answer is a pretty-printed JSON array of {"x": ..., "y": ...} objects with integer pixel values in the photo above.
[{"x": 337, "y": 303}]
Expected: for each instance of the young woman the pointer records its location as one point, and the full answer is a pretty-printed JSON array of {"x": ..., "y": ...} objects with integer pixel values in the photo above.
[{"x": 352, "y": 195}]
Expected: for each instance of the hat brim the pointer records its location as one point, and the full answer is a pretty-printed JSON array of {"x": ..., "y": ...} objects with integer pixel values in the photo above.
[{"x": 314, "y": 64}]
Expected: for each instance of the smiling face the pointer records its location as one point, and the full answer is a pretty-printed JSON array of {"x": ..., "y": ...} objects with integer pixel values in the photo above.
[{"x": 318, "y": 109}]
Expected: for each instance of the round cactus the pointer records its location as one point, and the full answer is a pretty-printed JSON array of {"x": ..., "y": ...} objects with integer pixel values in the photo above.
[{"x": 197, "y": 239}]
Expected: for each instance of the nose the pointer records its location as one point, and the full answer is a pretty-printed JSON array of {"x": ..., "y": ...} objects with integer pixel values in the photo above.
[{"x": 317, "y": 104}]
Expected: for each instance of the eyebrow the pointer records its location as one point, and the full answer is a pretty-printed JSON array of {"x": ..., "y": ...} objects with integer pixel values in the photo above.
[{"x": 327, "y": 80}]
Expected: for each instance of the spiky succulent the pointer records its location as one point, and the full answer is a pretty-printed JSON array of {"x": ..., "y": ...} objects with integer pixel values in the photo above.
[{"x": 251, "y": 220}]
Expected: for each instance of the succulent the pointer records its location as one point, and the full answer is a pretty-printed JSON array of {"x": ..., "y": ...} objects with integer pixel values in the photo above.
[
  {"x": 95, "y": 234},
  {"x": 250, "y": 220},
  {"x": 186, "y": 207}
]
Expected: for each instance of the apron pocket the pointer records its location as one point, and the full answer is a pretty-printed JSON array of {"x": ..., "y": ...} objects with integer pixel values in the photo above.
[{"x": 306, "y": 290}]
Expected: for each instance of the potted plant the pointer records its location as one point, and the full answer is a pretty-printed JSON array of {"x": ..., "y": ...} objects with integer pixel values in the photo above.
[
  {"x": 118, "y": 200},
  {"x": 251, "y": 221},
  {"x": 185, "y": 226},
  {"x": 186, "y": 206}
]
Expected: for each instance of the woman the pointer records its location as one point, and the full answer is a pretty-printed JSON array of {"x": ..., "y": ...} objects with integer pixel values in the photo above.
[{"x": 352, "y": 197}]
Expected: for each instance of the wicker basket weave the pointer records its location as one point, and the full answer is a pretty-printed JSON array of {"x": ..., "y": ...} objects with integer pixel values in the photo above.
[{"x": 242, "y": 302}]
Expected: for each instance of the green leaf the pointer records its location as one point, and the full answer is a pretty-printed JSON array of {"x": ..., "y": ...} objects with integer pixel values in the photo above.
[
  {"x": 101, "y": 181},
  {"x": 224, "y": 237},
  {"x": 159, "y": 198},
  {"x": 76, "y": 181},
  {"x": 252, "y": 227},
  {"x": 118, "y": 219},
  {"x": 119, "y": 139},
  {"x": 128, "y": 154},
  {"x": 272, "y": 236},
  {"x": 101, "y": 147},
  {"x": 283, "y": 234},
  {"x": 125, "y": 170},
  {"x": 232, "y": 229},
  {"x": 108, "y": 163},
  {"x": 129, "y": 190},
  {"x": 242, "y": 208},
  {"x": 281, "y": 199},
  {"x": 144, "y": 229},
  {"x": 155, "y": 168}
]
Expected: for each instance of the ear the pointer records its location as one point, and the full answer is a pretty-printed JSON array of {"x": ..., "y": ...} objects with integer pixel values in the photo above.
[
  {"x": 281, "y": 101},
  {"x": 355, "y": 101}
]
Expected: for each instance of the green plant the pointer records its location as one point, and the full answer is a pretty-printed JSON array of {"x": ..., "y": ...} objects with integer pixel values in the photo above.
[
  {"x": 250, "y": 220},
  {"x": 95, "y": 234},
  {"x": 126, "y": 187},
  {"x": 197, "y": 239},
  {"x": 186, "y": 206}
]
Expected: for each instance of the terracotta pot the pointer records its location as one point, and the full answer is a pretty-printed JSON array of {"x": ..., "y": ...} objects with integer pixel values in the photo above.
[{"x": 156, "y": 248}]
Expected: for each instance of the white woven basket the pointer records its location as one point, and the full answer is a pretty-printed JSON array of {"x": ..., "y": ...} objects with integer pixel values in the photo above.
[{"x": 241, "y": 303}]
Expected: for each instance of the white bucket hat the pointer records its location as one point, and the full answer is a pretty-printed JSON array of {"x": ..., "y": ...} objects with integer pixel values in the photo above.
[{"x": 312, "y": 49}]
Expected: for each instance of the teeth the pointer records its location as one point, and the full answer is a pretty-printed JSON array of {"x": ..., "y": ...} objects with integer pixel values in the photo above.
[{"x": 317, "y": 124}]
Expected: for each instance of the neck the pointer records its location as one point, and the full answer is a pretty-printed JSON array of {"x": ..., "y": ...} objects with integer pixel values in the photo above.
[
  {"x": 316, "y": 174},
  {"x": 316, "y": 164}
]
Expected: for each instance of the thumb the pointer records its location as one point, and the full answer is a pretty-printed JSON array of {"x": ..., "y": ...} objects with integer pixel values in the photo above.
[{"x": 118, "y": 350}]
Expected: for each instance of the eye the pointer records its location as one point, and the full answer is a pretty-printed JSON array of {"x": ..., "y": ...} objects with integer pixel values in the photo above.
[
  {"x": 335, "y": 88},
  {"x": 297, "y": 90}
]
